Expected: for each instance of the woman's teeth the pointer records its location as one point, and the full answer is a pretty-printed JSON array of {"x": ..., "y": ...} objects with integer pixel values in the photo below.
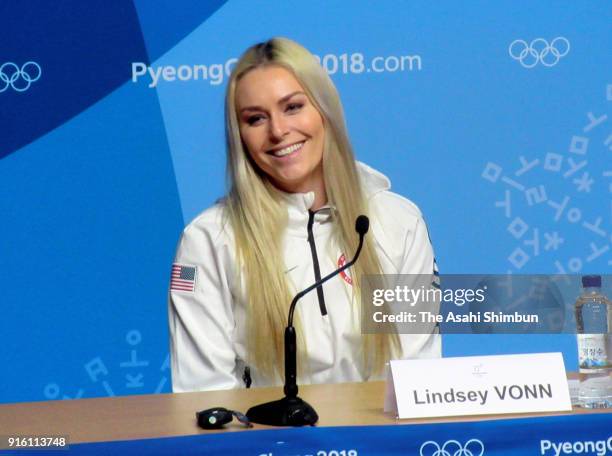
[{"x": 287, "y": 150}]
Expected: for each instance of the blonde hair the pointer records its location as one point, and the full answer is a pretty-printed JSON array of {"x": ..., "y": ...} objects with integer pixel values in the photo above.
[{"x": 258, "y": 214}]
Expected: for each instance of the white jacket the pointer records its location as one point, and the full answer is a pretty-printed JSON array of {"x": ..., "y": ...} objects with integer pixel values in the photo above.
[{"x": 207, "y": 325}]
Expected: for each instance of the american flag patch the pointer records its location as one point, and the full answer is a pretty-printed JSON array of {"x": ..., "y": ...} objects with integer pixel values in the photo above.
[{"x": 183, "y": 277}]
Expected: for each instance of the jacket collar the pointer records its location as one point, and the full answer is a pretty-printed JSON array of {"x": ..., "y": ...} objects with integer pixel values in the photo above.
[{"x": 298, "y": 204}]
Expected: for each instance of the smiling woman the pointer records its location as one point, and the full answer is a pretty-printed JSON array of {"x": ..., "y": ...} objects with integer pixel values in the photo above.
[
  {"x": 282, "y": 130},
  {"x": 288, "y": 220}
]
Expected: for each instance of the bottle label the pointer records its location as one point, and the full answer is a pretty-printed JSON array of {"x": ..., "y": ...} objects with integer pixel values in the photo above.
[
  {"x": 592, "y": 352},
  {"x": 594, "y": 318}
]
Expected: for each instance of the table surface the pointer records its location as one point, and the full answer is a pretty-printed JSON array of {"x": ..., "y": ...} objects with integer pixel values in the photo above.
[{"x": 165, "y": 415}]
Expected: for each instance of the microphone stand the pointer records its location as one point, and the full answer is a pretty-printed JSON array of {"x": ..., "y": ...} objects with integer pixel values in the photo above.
[{"x": 292, "y": 410}]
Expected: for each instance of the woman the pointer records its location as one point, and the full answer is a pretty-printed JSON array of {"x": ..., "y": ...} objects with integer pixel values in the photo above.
[{"x": 288, "y": 219}]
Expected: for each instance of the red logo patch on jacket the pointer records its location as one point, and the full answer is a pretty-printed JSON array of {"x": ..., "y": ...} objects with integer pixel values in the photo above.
[{"x": 343, "y": 274}]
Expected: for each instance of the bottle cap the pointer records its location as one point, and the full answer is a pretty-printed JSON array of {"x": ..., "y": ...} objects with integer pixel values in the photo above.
[{"x": 591, "y": 281}]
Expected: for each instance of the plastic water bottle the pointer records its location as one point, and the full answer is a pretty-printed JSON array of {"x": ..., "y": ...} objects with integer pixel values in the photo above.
[{"x": 594, "y": 332}]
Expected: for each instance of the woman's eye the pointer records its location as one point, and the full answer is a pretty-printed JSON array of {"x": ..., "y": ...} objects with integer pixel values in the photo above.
[
  {"x": 252, "y": 120},
  {"x": 294, "y": 106}
]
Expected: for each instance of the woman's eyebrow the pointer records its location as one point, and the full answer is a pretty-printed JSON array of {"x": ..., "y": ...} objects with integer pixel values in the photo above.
[
  {"x": 281, "y": 101},
  {"x": 287, "y": 97}
]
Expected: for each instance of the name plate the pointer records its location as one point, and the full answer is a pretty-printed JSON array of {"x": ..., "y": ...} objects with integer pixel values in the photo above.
[{"x": 477, "y": 385}]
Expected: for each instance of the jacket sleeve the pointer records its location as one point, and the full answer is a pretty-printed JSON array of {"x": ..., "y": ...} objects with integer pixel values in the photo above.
[
  {"x": 418, "y": 258},
  {"x": 201, "y": 322}
]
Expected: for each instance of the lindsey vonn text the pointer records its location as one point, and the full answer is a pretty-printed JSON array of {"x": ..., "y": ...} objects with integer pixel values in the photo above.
[{"x": 514, "y": 392}]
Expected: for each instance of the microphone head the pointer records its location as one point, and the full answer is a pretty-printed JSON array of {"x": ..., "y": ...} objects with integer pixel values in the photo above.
[{"x": 362, "y": 225}]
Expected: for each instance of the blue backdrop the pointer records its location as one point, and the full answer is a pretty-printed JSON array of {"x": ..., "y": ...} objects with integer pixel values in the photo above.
[{"x": 493, "y": 117}]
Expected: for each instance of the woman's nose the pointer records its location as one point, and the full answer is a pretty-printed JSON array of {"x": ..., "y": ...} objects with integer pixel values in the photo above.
[{"x": 279, "y": 128}]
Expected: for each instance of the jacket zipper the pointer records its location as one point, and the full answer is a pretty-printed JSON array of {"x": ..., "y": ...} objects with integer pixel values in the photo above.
[{"x": 315, "y": 262}]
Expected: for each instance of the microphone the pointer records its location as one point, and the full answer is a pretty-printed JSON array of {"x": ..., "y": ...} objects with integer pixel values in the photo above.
[{"x": 291, "y": 410}]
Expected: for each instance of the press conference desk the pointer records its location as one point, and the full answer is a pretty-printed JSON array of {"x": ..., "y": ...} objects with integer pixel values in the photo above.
[{"x": 166, "y": 415}]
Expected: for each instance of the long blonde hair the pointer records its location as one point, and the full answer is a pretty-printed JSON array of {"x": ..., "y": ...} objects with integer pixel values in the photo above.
[{"x": 258, "y": 215}]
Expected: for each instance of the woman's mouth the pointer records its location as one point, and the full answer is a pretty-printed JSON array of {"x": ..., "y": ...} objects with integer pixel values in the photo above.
[{"x": 287, "y": 150}]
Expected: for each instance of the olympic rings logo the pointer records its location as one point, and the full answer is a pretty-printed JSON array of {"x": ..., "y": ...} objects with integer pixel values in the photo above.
[
  {"x": 20, "y": 79},
  {"x": 539, "y": 51},
  {"x": 472, "y": 447}
]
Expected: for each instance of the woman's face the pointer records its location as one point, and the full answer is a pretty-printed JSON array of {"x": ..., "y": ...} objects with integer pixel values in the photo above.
[{"x": 281, "y": 129}]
